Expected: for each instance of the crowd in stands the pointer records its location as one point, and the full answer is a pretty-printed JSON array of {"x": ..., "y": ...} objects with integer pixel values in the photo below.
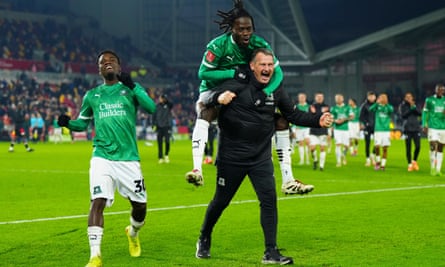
[{"x": 58, "y": 43}]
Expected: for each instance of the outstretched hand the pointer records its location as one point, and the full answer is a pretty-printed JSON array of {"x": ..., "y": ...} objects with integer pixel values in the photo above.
[
  {"x": 63, "y": 120},
  {"x": 126, "y": 80}
]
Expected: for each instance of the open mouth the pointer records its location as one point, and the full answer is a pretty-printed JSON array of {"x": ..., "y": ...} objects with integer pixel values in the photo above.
[{"x": 265, "y": 74}]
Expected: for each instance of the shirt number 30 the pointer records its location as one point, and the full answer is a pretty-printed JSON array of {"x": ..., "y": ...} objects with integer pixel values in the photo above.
[{"x": 140, "y": 186}]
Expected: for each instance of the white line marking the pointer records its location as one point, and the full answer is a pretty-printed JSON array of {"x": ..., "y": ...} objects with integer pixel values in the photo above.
[{"x": 235, "y": 203}]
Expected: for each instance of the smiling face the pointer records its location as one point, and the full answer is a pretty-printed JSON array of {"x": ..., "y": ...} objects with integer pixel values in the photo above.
[
  {"x": 262, "y": 67},
  {"x": 242, "y": 31},
  {"x": 109, "y": 67}
]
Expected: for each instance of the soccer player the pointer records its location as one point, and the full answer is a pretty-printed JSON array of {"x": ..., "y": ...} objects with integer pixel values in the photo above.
[
  {"x": 382, "y": 130},
  {"x": 227, "y": 57},
  {"x": 342, "y": 115},
  {"x": 433, "y": 123},
  {"x": 245, "y": 151},
  {"x": 367, "y": 119},
  {"x": 302, "y": 133},
  {"x": 318, "y": 136},
  {"x": 115, "y": 161},
  {"x": 354, "y": 127},
  {"x": 410, "y": 114}
]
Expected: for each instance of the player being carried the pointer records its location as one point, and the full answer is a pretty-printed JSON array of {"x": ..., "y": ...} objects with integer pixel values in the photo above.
[{"x": 226, "y": 57}]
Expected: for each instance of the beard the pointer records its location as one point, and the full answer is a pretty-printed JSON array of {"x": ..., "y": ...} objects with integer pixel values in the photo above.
[{"x": 110, "y": 76}]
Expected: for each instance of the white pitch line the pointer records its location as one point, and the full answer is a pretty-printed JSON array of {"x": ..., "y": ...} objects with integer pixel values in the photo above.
[{"x": 235, "y": 203}]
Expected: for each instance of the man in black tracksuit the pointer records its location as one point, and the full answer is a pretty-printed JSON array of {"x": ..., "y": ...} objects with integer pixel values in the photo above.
[
  {"x": 163, "y": 121},
  {"x": 410, "y": 114},
  {"x": 367, "y": 119},
  {"x": 246, "y": 122}
]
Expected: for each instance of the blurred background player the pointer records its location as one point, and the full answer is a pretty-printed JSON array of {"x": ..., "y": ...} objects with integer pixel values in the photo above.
[
  {"x": 354, "y": 127},
  {"x": 382, "y": 129},
  {"x": 433, "y": 123},
  {"x": 367, "y": 119},
  {"x": 318, "y": 136},
  {"x": 301, "y": 133},
  {"x": 410, "y": 114},
  {"x": 163, "y": 123},
  {"x": 57, "y": 131},
  {"x": 20, "y": 118},
  {"x": 342, "y": 115}
]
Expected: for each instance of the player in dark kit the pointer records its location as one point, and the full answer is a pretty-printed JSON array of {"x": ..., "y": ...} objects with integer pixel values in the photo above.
[
  {"x": 318, "y": 136},
  {"x": 20, "y": 118},
  {"x": 247, "y": 123},
  {"x": 367, "y": 119}
]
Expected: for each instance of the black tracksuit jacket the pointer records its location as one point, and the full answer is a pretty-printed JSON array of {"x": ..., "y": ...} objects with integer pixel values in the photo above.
[{"x": 247, "y": 124}]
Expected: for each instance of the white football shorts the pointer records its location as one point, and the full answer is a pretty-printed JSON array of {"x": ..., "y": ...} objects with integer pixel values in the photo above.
[
  {"x": 341, "y": 137},
  {"x": 320, "y": 140},
  {"x": 436, "y": 135},
  {"x": 106, "y": 176},
  {"x": 354, "y": 129},
  {"x": 301, "y": 134},
  {"x": 382, "y": 138}
]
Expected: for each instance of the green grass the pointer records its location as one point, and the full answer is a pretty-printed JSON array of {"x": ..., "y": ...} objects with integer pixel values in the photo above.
[{"x": 354, "y": 217}]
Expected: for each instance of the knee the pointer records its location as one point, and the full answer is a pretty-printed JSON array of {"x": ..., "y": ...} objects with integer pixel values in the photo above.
[
  {"x": 280, "y": 122},
  {"x": 207, "y": 113},
  {"x": 139, "y": 206}
]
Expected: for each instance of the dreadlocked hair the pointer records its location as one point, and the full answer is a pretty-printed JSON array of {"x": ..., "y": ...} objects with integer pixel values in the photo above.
[{"x": 229, "y": 17}]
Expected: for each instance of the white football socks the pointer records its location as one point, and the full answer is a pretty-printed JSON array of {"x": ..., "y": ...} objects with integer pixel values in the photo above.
[
  {"x": 95, "y": 234},
  {"x": 199, "y": 139},
  {"x": 135, "y": 226},
  {"x": 284, "y": 155}
]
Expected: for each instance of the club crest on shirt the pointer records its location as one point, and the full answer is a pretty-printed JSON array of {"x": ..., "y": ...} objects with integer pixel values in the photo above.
[
  {"x": 210, "y": 56},
  {"x": 123, "y": 92}
]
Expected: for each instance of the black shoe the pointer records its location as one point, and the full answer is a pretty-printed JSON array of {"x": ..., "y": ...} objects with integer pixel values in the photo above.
[
  {"x": 203, "y": 248},
  {"x": 273, "y": 256},
  {"x": 315, "y": 165}
]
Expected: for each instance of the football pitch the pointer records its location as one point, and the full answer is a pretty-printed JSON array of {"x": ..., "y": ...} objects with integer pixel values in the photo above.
[{"x": 355, "y": 216}]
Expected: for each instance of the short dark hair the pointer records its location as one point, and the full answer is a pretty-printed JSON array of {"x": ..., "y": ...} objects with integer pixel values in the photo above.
[
  {"x": 108, "y": 51},
  {"x": 370, "y": 93},
  {"x": 265, "y": 51}
]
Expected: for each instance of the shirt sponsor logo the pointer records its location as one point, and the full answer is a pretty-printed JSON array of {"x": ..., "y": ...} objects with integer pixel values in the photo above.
[{"x": 111, "y": 110}]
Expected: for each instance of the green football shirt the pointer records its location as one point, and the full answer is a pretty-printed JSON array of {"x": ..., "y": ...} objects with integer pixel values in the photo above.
[
  {"x": 114, "y": 109},
  {"x": 382, "y": 117},
  {"x": 356, "y": 112},
  {"x": 433, "y": 115},
  {"x": 341, "y": 112},
  {"x": 223, "y": 55},
  {"x": 303, "y": 107}
]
